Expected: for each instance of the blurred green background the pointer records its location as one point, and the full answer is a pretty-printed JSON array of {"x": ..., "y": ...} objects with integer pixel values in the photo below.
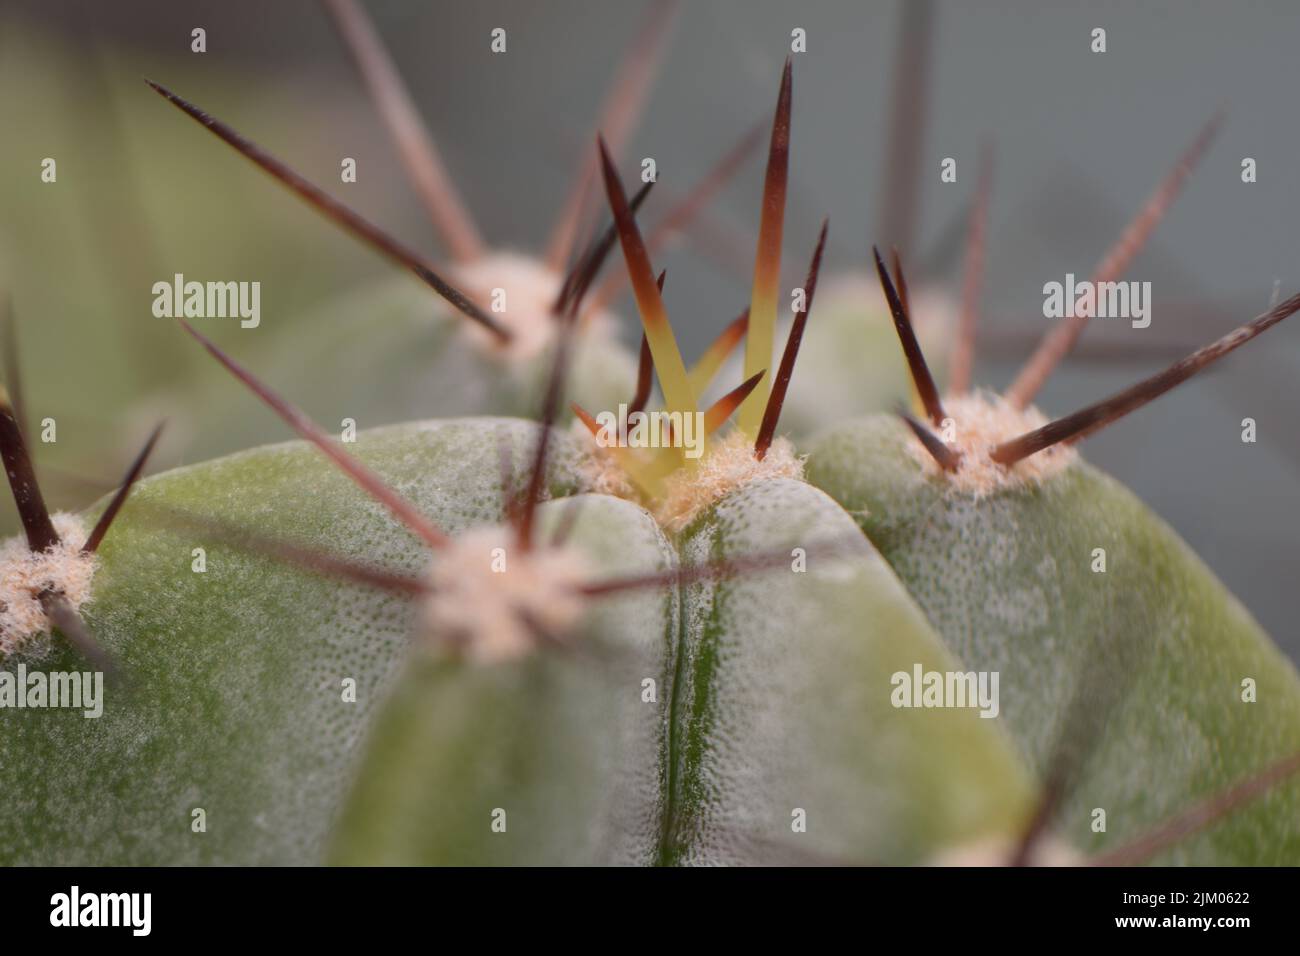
[{"x": 1080, "y": 140}]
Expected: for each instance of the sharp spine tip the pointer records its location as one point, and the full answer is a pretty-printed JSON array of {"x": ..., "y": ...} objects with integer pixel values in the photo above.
[
  {"x": 776, "y": 398},
  {"x": 921, "y": 376}
]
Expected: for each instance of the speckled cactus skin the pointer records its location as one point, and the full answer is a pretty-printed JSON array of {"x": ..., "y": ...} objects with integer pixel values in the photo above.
[
  {"x": 710, "y": 772},
  {"x": 1007, "y": 581},
  {"x": 878, "y": 784},
  {"x": 234, "y": 699},
  {"x": 563, "y": 744},
  {"x": 234, "y": 703},
  {"x": 242, "y": 715}
]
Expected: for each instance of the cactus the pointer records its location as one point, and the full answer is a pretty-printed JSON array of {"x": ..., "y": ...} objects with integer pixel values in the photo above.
[
  {"x": 526, "y": 644},
  {"x": 232, "y": 698},
  {"x": 739, "y": 763},
  {"x": 1034, "y": 564}
]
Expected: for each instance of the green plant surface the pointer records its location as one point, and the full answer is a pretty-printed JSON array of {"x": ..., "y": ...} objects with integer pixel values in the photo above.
[
  {"x": 784, "y": 701},
  {"x": 1008, "y": 581},
  {"x": 233, "y": 697},
  {"x": 562, "y": 744},
  {"x": 741, "y": 750}
]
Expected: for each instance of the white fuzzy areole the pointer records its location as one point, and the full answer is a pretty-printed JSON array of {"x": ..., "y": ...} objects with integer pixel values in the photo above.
[
  {"x": 983, "y": 420},
  {"x": 727, "y": 465},
  {"x": 486, "y": 588},
  {"x": 24, "y": 574},
  {"x": 530, "y": 288},
  {"x": 998, "y": 851},
  {"x": 601, "y": 472}
]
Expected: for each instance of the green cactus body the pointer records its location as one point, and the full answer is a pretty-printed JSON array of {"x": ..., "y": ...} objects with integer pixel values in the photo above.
[
  {"x": 1010, "y": 579},
  {"x": 234, "y": 696},
  {"x": 784, "y": 713},
  {"x": 238, "y": 708},
  {"x": 726, "y": 763},
  {"x": 642, "y": 691},
  {"x": 550, "y": 758}
]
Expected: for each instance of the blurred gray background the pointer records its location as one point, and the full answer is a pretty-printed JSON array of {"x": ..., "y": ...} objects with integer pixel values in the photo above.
[{"x": 1080, "y": 140}]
